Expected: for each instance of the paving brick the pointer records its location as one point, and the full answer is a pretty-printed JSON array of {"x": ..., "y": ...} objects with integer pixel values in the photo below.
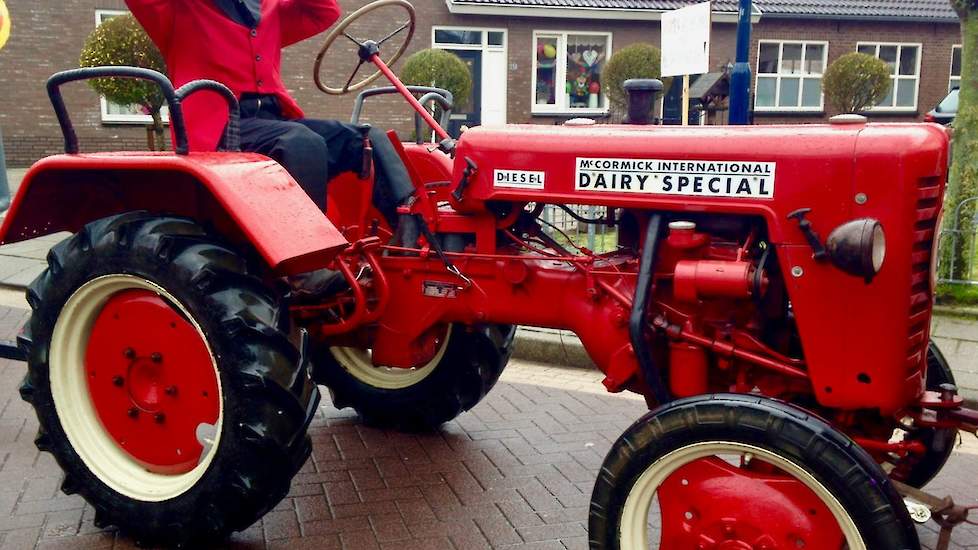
[
  {"x": 341, "y": 492},
  {"x": 427, "y": 543},
  {"x": 335, "y": 526},
  {"x": 62, "y": 524},
  {"x": 355, "y": 540},
  {"x": 329, "y": 542},
  {"x": 389, "y": 528},
  {"x": 280, "y": 525},
  {"x": 95, "y": 541},
  {"x": 312, "y": 508},
  {"x": 498, "y": 529},
  {"x": 20, "y": 539}
]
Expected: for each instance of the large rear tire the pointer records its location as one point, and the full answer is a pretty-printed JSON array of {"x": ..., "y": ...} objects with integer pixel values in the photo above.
[
  {"x": 755, "y": 473},
  {"x": 164, "y": 384},
  {"x": 466, "y": 366}
]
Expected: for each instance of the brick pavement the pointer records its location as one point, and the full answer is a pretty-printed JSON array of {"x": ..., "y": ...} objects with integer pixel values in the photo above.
[{"x": 515, "y": 472}]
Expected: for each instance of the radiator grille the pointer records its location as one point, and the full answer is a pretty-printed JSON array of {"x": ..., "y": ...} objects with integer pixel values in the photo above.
[{"x": 921, "y": 293}]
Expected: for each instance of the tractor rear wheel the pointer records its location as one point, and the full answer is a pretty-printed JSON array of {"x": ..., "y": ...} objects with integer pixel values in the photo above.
[
  {"x": 466, "y": 365},
  {"x": 164, "y": 384},
  {"x": 738, "y": 471}
]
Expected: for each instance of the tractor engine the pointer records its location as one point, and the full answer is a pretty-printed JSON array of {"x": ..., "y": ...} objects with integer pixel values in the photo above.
[
  {"x": 708, "y": 290},
  {"x": 718, "y": 310}
]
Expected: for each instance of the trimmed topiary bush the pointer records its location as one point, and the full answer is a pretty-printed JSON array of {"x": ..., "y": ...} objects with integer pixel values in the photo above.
[
  {"x": 441, "y": 69},
  {"x": 122, "y": 41},
  {"x": 856, "y": 82},
  {"x": 640, "y": 60}
]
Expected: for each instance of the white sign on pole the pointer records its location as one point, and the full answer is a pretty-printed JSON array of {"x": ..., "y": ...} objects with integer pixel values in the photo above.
[{"x": 686, "y": 40}]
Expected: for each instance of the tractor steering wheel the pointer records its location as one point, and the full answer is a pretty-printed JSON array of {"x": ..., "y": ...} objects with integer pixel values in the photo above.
[{"x": 365, "y": 47}]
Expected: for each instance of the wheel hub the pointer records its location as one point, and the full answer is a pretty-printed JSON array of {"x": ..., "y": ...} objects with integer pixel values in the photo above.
[
  {"x": 146, "y": 384},
  {"x": 152, "y": 381},
  {"x": 710, "y": 504}
]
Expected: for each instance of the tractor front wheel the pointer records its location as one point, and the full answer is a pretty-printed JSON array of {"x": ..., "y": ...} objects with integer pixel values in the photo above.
[
  {"x": 164, "y": 384},
  {"x": 466, "y": 365},
  {"x": 939, "y": 443},
  {"x": 735, "y": 471}
]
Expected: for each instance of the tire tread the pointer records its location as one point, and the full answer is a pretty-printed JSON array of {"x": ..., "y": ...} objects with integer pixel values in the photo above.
[{"x": 267, "y": 405}]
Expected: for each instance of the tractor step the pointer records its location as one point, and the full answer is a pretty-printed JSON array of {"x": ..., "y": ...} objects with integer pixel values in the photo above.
[{"x": 10, "y": 350}]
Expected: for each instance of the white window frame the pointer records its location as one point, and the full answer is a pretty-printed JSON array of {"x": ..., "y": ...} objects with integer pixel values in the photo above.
[
  {"x": 560, "y": 109},
  {"x": 954, "y": 81},
  {"x": 779, "y": 75},
  {"x": 101, "y": 15},
  {"x": 484, "y": 45},
  {"x": 896, "y": 76}
]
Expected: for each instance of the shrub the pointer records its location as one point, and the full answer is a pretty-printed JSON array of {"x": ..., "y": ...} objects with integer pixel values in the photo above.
[
  {"x": 441, "y": 69},
  {"x": 639, "y": 60},
  {"x": 122, "y": 41},
  {"x": 855, "y": 82}
]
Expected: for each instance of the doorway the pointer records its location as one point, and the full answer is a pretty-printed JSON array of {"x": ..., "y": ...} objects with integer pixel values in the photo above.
[
  {"x": 468, "y": 113},
  {"x": 483, "y": 50}
]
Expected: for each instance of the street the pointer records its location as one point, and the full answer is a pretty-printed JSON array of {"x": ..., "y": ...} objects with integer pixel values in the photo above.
[{"x": 515, "y": 472}]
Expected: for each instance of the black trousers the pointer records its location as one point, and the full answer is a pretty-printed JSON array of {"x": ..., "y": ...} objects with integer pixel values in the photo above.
[{"x": 315, "y": 151}]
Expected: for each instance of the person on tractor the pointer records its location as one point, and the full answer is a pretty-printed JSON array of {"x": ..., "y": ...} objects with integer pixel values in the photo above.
[{"x": 239, "y": 43}]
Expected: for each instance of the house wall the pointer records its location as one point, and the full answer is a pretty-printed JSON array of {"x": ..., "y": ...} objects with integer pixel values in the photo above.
[
  {"x": 842, "y": 36},
  {"x": 48, "y": 35}
]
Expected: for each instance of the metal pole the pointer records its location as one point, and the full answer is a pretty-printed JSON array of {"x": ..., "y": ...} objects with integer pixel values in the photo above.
[
  {"x": 740, "y": 76},
  {"x": 592, "y": 212},
  {"x": 4, "y": 187}
]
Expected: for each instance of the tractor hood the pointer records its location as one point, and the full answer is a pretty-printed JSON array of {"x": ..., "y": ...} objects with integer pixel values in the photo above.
[{"x": 768, "y": 171}]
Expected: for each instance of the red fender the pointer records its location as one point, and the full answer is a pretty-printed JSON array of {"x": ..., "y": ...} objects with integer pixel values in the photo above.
[{"x": 247, "y": 197}]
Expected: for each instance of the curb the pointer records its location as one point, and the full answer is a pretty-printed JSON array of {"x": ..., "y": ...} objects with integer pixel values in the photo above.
[
  {"x": 960, "y": 312},
  {"x": 556, "y": 347}
]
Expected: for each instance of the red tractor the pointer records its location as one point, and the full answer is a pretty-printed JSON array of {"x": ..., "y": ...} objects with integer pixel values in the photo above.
[{"x": 770, "y": 295}]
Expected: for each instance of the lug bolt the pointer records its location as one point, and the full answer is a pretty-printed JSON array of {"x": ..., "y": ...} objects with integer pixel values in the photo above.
[
  {"x": 129, "y": 353},
  {"x": 118, "y": 381},
  {"x": 133, "y": 412},
  {"x": 160, "y": 418},
  {"x": 157, "y": 357},
  {"x": 171, "y": 390}
]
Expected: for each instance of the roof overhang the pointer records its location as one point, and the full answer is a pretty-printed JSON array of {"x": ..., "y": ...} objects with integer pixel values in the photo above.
[
  {"x": 868, "y": 18},
  {"x": 567, "y": 12}
]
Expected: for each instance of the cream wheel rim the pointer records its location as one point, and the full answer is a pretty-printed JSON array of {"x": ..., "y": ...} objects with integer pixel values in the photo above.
[
  {"x": 633, "y": 531},
  {"x": 76, "y": 412},
  {"x": 357, "y": 362}
]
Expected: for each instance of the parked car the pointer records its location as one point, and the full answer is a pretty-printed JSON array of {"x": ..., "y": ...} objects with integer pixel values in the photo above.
[{"x": 945, "y": 110}]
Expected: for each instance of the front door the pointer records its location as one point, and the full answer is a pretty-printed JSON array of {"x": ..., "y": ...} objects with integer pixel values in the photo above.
[{"x": 468, "y": 113}]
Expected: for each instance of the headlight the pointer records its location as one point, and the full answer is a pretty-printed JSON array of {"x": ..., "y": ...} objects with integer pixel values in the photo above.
[{"x": 858, "y": 247}]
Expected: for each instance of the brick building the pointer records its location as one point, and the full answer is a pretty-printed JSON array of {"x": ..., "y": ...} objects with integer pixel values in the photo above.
[{"x": 536, "y": 61}]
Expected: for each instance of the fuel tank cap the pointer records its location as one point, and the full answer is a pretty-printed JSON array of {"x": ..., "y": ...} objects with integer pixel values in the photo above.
[
  {"x": 580, "y": 121},
  {"x": 849, "y": 118},
  {"x": 682, "y": 225}
]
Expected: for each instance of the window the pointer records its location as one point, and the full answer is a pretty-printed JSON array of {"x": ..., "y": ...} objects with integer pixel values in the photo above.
[
  {"x": 904, "y": 63},
  {"x": 465, "y": 38},
  {"x": 789, "y": 76},
  {"x": 566, "y": 76},
  {"x": 113, "y": 112},
  {"x": 955, "y": 81},
  {"x": 458, "y": 36}
]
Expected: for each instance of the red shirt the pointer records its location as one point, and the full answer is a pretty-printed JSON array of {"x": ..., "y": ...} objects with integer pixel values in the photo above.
[{"x": 199, "y": 41}]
